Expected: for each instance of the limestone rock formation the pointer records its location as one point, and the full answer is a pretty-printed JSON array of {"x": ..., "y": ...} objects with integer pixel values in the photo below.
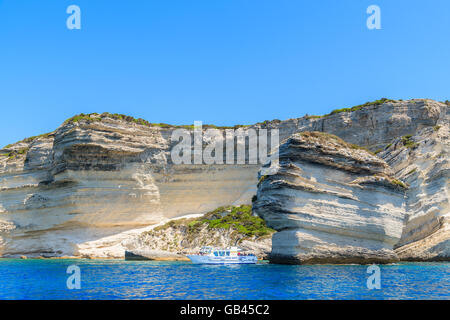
[
  {"x": 373, "y": 125},
  {"x": 412, "y": 137},
  {"x": 422, "y": 160},
  {"x": 331, "y": 202},
  {"x": 78, "y": 184},
  {"x": 100, "y": 180}
]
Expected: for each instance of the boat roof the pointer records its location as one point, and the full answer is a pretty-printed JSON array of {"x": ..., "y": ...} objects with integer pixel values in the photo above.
[{"x": 221, "y": 249}]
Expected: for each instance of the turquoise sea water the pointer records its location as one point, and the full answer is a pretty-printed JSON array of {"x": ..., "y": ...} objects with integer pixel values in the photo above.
[{"x": 115, "y": 279}]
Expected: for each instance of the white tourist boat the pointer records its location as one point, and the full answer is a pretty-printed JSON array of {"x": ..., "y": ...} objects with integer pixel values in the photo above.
[{"x": 232, "y": 255}]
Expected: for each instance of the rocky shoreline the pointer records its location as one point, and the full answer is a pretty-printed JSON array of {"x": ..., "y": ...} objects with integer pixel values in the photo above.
[{"x": 359, "y": 185}]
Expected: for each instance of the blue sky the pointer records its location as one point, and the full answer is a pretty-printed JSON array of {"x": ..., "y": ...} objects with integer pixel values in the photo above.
[{"x": 224, "y": 62}]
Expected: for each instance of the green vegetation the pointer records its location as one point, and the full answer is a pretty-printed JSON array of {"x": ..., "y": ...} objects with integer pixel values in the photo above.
[
  {"x": 236, "y": 218},
  {"x": 94, "y": 117},
  {"x": 264, "y": 123},
  {"x": 436, "y": 128},
  {"x": 15, "y": 153},
  {"x": 29, "y": 139},
  {"x": 262, "y": 179},
  {"x": 323, "y": 136},
  {"x": 313, "y": 117},
  {"x": 393, "y": 182},
  {"x": 408, "y": 142},
  {"x": 211, "y": 126},
  {"x": 412, "y": 171},
  {"x": 378, "y": 151},
  {"x": 399, "y": 183},
  {"x": 361, "y": 106}
]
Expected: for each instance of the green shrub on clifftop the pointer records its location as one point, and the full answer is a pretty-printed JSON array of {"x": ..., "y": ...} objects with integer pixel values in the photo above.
[
  {"x": 359, "y": 107},
  {"x": 324, "y": 136},
  {"x": 94, "y": 117}
]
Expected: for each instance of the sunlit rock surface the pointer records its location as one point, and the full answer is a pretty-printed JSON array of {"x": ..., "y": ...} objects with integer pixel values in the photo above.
[
  {"x": 424, "y": 164},
  {"x": 79, "y": 184},
  {"x": 91, "y": 185},
  {"x": 330, "y": 202},
  {"x": 95, "y": 183}
]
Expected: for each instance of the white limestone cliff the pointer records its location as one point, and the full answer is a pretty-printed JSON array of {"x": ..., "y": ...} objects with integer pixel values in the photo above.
[
  {"x": 330, "y": 202},
  {"x": 94, "y": 183},
  {"x": 422, "y": 161}
]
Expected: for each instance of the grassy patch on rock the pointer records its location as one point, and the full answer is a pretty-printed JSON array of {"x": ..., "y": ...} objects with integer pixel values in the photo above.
[
  {"x": 29, "y": 139},
  {"x": 325, "y": 137},
  {"x": 361, "y": 106},
  {"x": 16, "y": 153},
  {"x": 399, "y": 183},
  {"x": 94, "y": 117},
  {"x": 233, "y": 218}
]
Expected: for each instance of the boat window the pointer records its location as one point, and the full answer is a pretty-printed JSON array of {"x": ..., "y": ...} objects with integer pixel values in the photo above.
[
  {"x": 216, "y": 253},
  {"x": 228, "y": 253}
]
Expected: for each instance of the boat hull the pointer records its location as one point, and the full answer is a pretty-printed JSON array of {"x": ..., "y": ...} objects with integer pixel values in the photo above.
[{"x": 222, "y": 260}]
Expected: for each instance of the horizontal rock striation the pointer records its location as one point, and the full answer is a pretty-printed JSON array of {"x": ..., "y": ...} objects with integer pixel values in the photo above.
[
  {"x": 331, "y": 202},
  {"x": 81, "y": 183},
  {"x": 422, "y": 160},
  {"x": 223, "y": 227},
  {"x": 91, "y": 182},
  {"x": 96, "y": 181},
  {"x": 372, "y": 126}
]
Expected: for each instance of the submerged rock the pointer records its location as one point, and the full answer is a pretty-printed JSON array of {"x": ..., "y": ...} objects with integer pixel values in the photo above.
[{"x": 158, "y": 255}]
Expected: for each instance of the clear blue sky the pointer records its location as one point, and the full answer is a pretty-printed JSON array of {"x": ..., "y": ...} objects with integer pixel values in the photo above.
[{"x": 220, "y": 61}]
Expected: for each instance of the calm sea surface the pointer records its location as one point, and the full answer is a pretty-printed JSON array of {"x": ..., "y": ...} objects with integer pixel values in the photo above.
[{"x": 115, "y": 279}]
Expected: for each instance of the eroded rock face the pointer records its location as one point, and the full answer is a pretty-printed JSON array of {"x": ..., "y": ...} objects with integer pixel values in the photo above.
[
  {"x": 304, "y": 204},
  {"x": 97, "y": 183},
  {"x": 79, "y": 184},
  {"x": 330, "y": 203},
  {"x": 424, "y": 164},
  {"x": 373, "y": 126},
  {"x": 90, "y": 185}
]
